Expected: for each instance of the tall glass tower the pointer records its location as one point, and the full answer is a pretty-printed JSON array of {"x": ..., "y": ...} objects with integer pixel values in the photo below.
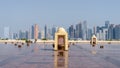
[
  {"x": 45, "y": 32},
  {"x": 6, "y": 32},
  {"x": 107, "y": 24},
  {"x": 84, "y": 30},
  {"x": 32, "y": 32}
]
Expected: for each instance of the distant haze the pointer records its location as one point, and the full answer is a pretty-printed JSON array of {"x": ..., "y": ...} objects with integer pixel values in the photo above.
[{"x": 21, "y": 14}]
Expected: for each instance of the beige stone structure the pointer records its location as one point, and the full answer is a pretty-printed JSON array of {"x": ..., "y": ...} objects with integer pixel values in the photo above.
[
  {"x": 93, "y": 40},
  {"x": 61, "y": 40}
]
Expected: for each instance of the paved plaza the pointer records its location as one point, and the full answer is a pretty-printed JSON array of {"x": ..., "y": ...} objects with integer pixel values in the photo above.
[{"x": 42, "y": 56}]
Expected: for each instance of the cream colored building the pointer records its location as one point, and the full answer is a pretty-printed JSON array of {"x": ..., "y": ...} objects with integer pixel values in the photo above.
[
  {"x": 61, "y": 39},
  {"x": 93, "y": 40}
]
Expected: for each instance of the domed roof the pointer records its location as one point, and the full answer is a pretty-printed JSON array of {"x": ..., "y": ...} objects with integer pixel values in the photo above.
[
  {"x": 93, "y": 36},
  {"x": 61, "y": 29}
]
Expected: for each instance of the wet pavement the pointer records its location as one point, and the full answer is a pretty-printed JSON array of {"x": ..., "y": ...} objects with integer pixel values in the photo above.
[{"x": 43, "y": 56}]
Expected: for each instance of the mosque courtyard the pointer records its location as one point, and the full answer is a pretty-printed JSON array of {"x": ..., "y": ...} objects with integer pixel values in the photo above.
[{"x": 39, "y": 55}]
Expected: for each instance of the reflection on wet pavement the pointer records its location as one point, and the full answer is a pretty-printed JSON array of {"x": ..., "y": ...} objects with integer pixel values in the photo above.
[
  {"x": 60, "y": 59},
  {"x": 42, "y": 56}
]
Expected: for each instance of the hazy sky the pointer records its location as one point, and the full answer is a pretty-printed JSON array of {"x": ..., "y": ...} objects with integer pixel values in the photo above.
[{"x": 21, "y": 14}]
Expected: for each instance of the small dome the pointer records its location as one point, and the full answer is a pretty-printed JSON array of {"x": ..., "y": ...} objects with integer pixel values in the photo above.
[
  {"x": 93, "y": 36},
  {"x": 60, "y": 29}
]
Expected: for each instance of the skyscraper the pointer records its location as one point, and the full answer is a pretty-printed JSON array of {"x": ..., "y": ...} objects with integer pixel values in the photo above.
[
  {"x": 39, "y": 35},
  {"x": 99, "y": 33},
  {"x": 32, "y": 32},
  {"x": 42, "y": 34},
  {"x": 71, "y": 32},
  {"x": 111, "y": 32},
  {"x": 53, "y": 31},
  {"x": 105, "y": 33},
  {"x": 6, "y": 32},
  {"x": 84, "y": 30},
  {"x": 79, "y": 30},
  {"x": 89, "y": 34},
  {"x": 22, "y": 34},
  {"x": 45, "y": 32},
  {"x": 27, "y": 34},
  {"x": 107, "y": 24},
  {"x": 49, "y": 33},
  {"x": 94, "y": 30},
  {"x": 36, "y": 31},
  {"x": 117, "y": 32},
  {"x": 15, "y": 36}
]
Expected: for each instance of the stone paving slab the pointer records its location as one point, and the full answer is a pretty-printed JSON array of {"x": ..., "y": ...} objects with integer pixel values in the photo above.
[{"x": 43, "y": 56}]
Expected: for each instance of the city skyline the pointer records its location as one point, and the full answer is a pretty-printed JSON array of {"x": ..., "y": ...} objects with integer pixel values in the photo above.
[
  {"x": 79, "y": 31},
  {"x": 22, "y": 14},
  {"x": 42, "y": 27}
]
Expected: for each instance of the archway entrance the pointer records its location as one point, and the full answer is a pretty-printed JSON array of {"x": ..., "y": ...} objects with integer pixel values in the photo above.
[
  {"x": 61, "y": 42},
  {"x": 61, "y": 39},
  {"x": 93, "y": 41}
]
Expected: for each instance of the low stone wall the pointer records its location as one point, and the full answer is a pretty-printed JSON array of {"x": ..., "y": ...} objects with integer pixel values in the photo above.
[
  {"x": 12, "y": 41},
  {"x": 70, "y": 41}
]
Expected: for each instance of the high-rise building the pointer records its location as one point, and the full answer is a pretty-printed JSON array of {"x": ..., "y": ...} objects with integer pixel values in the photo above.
[
  {"x": 53, "y": 31},
  {"x": 39, "y": 35},
  {"x": 111, "y": 32},
  {"x": 22, "y": 35},
  {"x": 15, "y": 36},
  {"x": 117, "y": 32},
  {"x": 45, "y": 29},
  {"x": 49, "y": 34},
  {"x": 99, "y": 33},
  {"x": 6, "y": 32},
  {"x": 36, "y": 31},
  {"x": 89, "y": 34},
  {"x": 84, "y": 30},
  {"x": 105, "y": 33},
  {"x": 71, "y": 32},
  {"x": 102, "y": 33},
  {"x": 94, "y": 30},
  {"x": 29, "y": 34},
  {"x": 105, "y": 30},
  {"x": 26, "y": 34},
  {"x": 32, "y": 32},
  {"x": 107, "y": 24},
  {"x": 42, "y": 34},
  {"x": 79, "y": 30},
  {"x": 97, "y": 29}
]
